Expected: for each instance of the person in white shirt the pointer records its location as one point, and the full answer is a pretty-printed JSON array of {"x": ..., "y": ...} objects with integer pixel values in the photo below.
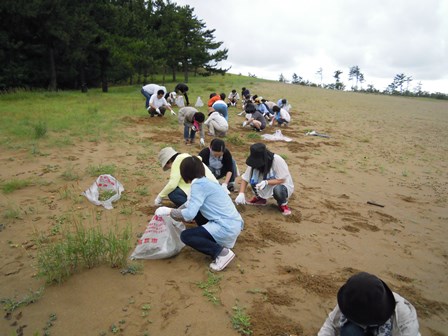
[
  {"x": 158, "y": 104},
  {"x": 216, "y": 123},
  {"x": 282, "y": 117},
  {"x": 368, "y": 307},
  {"x": 149, "y": 90},
  {"x": 268, "y": 175},
  {"x": 233, "y": 98}
]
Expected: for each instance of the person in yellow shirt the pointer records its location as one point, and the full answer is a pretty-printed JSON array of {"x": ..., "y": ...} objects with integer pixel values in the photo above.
[{"x": 176, "y": 189}]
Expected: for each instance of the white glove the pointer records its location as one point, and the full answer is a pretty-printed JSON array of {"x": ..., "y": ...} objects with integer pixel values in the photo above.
[
  {"x": 163, "y": 211},
  {"x": 244, "y": 123},
  {"x": 173, "y": 113},
  {"x": 202, "y": 142},
  {"x": 224, "y": 186},
  {"x": 158, "y": 201},
  {"x": 271, "y": 123},
  {"x": 158, "y": 111},
  {"x": 240, "y": 199},
  {"x": 261, "y": 185}
]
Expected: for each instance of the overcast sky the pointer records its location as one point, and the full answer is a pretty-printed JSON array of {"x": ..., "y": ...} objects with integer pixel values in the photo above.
[{"x": 383, "y": 37}]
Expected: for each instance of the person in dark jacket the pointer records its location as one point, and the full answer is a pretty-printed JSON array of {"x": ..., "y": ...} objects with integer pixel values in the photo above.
[
  {"x": 182, "y": 89},
  {"x": 221, "y": 163}
]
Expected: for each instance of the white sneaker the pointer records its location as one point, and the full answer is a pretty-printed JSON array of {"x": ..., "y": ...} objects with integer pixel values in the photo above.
[{"x": 221, "y": 262}]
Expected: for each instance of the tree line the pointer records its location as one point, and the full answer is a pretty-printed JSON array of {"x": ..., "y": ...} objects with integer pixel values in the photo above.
[
  {"x": 399, "y": 86},
  {"x": 60, "y": 44}
]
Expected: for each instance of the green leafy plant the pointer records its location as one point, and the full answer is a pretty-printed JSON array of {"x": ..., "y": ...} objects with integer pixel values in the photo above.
[
  {"x": 210, "y": 287},
  {"x": 9, "y": 305},
  {"x": 104, "y": 195},
  {"x": 241, "y": 321}
]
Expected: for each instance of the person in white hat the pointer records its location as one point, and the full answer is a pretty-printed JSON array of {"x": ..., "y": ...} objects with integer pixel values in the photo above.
[{"x": 176, "y": 189}]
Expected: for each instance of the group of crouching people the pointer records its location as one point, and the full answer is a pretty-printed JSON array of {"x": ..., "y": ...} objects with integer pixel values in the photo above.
[{"x": 366, "y": 305}]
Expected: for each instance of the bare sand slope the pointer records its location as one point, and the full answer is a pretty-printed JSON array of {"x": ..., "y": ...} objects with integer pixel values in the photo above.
[{"x": 388, "y": 150}]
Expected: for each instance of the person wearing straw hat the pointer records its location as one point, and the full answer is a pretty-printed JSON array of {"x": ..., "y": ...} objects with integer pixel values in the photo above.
[
  {"x": 268, "y": 175},
  {"x": 176, "y": 189},
  {"x": 218, "y": 235},
  {"x": 368, "y": 307}
]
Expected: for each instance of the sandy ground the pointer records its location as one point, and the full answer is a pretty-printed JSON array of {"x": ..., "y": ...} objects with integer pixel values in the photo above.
[{"x": 389, "y": 150}]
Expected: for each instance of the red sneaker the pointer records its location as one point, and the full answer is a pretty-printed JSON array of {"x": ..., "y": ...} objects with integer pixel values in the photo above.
[
  {"x": 285, "y": 210},
  {"x": 257, "y": 201}
]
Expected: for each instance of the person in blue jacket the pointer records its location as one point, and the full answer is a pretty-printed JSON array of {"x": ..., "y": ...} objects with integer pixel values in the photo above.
[{"x": 219, "y": 234}]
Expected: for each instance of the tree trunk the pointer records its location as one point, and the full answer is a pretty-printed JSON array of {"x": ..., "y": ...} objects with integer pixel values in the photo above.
[
  {"x": 82, "y": 79},
  {"x": 186, "y": 74},
  {"x": 104, "y": 85},
  {"x": 174, "y": 74},
  {"x": 52, "y": 86}
]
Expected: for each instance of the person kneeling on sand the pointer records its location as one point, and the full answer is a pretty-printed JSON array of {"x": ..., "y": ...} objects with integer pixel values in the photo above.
[
  {"x": 176, "y": 189},
  {"x": 158, "y": 104},
  {"x": 282, "y": 117},
  {"x": 254, "y": 118},
  {"x": 221, "y": 163},
  {"x": 269, "y": 176},
  {"x": 367, "y": 307},
  {"x": 218, "y": 235},
  {"x": 216, "y": 123}
]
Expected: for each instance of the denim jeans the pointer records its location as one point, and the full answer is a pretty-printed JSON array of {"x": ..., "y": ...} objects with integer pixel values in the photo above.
[
  {"x": 281, "y": 194},
  {"x": 189, "y": 133},
  {"x": 179, "y": 197},
  {"x": 147, "y": 96},
  {"x": 202, "y": 241}
]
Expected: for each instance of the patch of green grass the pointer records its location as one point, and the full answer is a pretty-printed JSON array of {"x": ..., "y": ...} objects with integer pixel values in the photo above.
[
  {"x": 241, "y": 320},
  {"x": 126, "y": 210},
  {"x": 142, "y": 191},
  {"x": 101, "y": 169},
  {"x": 40, "y": 129},
  {"x": 12, "y": 212},
  {"x": 253, "y": 136},
  {"x": 15, "y": 184},
  {"x": 83, "y": 248},
  {"x": 210, "y": 287},
  {"x": 235, "y": 139},
  {"x": 69, "y": 174},
  {"x": 9, "y": 305}
]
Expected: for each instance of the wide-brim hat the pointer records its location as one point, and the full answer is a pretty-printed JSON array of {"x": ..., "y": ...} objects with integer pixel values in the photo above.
[
  {"x": 366, "y": 300},
  {"x": 165, "y": 155},
  {"x": 258, "y": 155}
]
